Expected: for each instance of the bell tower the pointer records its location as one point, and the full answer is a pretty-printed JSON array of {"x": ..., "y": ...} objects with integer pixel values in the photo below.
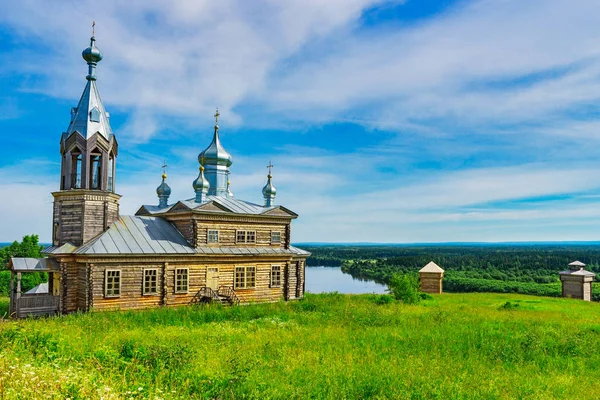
[{"x": 86, "y": 203}]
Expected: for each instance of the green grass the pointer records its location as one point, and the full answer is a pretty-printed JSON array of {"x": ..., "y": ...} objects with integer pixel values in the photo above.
[{"x": 455, "y": 346}]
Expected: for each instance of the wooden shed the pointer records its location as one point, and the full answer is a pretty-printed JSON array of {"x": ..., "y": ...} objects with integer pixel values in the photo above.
[
  {"x": 431, "y": 277},
  {"x": 577, "y": 282}
]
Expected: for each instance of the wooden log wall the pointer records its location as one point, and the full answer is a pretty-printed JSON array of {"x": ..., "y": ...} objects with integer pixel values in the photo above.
[
  {"x": 132, "y": 296},
  {"x": 81, "y": 215},
  {"x": 431, "y": 282},
  {"x": 227, "y": 233}
]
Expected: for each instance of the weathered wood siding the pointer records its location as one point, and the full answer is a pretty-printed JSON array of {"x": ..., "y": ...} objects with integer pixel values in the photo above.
[
  {"x": 69, "y": 286},
  {"x": 80, "y": 215},
  {"x": 132, "y": 296},
  {"x": 227, "y": 233},
  {"x": 431, "y": 282}
]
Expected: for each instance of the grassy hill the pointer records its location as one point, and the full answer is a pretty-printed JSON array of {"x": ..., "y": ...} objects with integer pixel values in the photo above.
[{"x": 457, "y": 346}]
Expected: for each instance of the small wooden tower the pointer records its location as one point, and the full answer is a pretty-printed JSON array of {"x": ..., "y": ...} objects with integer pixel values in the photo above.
[
  {"x": 577, "y": 282},
  {"x": 431, "y": 278}
]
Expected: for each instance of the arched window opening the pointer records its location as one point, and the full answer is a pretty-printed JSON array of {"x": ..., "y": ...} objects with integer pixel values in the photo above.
[
  {"x": 95, "y": 171},
  {"x": 111, "y": 169},
  {"x": 76, "y": 163}
]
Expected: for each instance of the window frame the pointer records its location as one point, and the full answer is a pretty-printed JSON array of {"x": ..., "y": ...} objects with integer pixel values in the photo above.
[
  {"x": 247, "y": 271},
  {"x": 178, "y": 289},
  {"x": 144, "y": 287},
  {"x": 276, "y": 271},
  {"x": 106, "y": 278},
  {"x": 214, "y": 232},
  {"x": 278, "y": 241},
  {"x": 242, "y": 236}
]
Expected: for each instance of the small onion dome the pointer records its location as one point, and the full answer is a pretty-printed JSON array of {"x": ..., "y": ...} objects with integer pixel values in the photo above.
[
  {"x": 201, "y": 186},
  {"x": 92, "y": 54},
  {"x": 215, "y": 154},
  {"x": 269, "y": 190},
  {"x": 163, "y": 189}
]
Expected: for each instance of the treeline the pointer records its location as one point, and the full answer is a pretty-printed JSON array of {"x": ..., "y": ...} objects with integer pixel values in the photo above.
[
  {"x": 28, "y": 247},
  {"x": 531, "y": 269}
]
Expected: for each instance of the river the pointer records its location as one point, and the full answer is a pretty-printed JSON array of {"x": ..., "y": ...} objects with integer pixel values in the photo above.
[{"x": 332, "y": 279}]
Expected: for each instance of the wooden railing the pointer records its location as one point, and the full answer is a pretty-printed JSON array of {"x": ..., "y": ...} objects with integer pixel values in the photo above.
[
  {"x": 227, "y": 291},
  {"x": 36, "y": 304},
  {"x": 209, "y": 293}
]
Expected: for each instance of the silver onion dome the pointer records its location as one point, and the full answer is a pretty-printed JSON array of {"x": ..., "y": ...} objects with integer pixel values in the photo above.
[
  {"x": 92, "y": 54},
  {"x": 215, "y": 154},
  {"x": 269, "y": 190},
  {"x": 201, "y": 186}
]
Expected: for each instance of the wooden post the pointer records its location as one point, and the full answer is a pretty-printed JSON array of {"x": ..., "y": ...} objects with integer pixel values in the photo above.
[
  {"x": 11, "y": 307},
  {"x": 163, "y": 295},
  {"x": 18, "y": 295}
]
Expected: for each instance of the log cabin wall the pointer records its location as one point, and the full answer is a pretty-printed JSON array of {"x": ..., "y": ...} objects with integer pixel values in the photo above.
[
  {"x": 132, "y": 296},
  {"x": 80, "y": 215},
  {"x": 227, "y": 233},
  {"x": 69, "y": 286}
]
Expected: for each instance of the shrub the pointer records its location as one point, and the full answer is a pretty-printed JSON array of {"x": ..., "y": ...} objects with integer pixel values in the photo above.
[
  {"x": 405, "y": 288},
  {"x": 384, "y": 299}
]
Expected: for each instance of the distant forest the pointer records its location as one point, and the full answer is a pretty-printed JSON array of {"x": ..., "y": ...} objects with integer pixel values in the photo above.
[{"x": 529, "y": 269}]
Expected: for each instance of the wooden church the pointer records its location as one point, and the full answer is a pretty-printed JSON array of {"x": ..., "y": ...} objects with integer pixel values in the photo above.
[{"x": 212, "y": 247}]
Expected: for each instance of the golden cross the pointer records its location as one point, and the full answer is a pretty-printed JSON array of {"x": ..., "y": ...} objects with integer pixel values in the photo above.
[
  {"x": 93, "y": 27},
  {"x": 270, "y": 166},
  {"x": 217, "y": 116}
]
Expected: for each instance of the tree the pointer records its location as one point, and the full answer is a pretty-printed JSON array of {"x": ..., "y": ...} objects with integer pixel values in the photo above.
[
  {"x": 405, "y": 287},
  {"x": 29, "y": 247}
]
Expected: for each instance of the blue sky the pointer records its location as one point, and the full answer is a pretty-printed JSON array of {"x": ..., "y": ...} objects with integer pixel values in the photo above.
[{"x": 387, "y": 121}]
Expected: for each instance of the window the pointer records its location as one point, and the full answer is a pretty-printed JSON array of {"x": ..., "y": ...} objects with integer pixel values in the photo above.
[
  {"x": 150, "y": 281},
  {"x": 276, "y": 276},
  {"x": 181, "y": 280},
  {"x": 112, "y": 283},
  {"x": 275, "y": 237},
  {"x": 213, "y": 236},
  {"x": 95, "y": 115},
  {"x": 76, "y": 171},
  {"x": 96, "y": 167},
  {"x": 111, "y": 173},
  {"x": 245, "y": 277},
  {"x": 246, "y": 236}
]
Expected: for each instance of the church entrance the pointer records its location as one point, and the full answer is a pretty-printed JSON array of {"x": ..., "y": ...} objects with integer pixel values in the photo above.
[{"x": 212, "y": 278}]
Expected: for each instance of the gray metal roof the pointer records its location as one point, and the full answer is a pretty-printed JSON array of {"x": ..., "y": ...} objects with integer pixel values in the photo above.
[
  {"x": 299, "y": 251},
  {"x": 66, "y": 248},
  {"x": 229, "y": 205},
  {"x": 90, "y": 116},
  {"x": 138, "y": 235},
  {"x": 20, "y": 264},
  {"x": 42, "y": 288},
  {"x": 155, "y": 235}
]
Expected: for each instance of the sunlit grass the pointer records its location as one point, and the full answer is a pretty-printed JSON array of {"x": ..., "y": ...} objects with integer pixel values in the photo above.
[{"x": 326, "y": 346}]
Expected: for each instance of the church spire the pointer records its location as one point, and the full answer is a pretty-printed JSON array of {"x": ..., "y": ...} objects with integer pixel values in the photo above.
[
  {"x": 269, "y": 191},
  {"x": 90, "y": 117},
  {"x": 217, "y": 162}
]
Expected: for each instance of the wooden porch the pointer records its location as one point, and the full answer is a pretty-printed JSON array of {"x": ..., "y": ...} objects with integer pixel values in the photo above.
[{"x": 40, "y": 301}]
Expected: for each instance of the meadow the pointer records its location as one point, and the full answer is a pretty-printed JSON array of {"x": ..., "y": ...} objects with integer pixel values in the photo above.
[{"x": 455, "y": 346}]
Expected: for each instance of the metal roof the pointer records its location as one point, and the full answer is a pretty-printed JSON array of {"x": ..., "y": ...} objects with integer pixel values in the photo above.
[
  {"x": 228, "y": 205},
  {"x": 155, "y": 235},
  {"x": 20, "y": 264},
  {"x": 138, "y": 235},
  {"x": 66, "y": 248},
  {"x": 90, "y": 116},
  {"x": 42, "y": 288}
]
